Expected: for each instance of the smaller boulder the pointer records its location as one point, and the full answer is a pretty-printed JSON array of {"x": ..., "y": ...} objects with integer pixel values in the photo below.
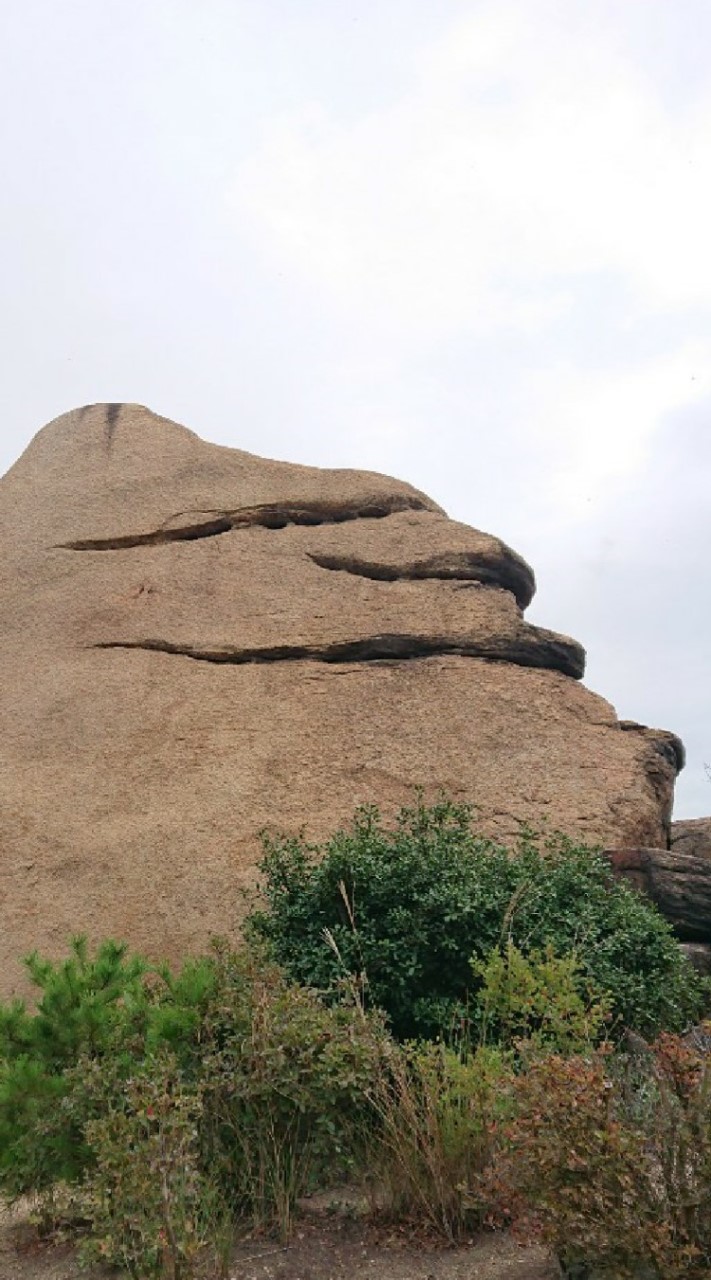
[
  {"x": 678, "y": 883},
  {"x": 693, "y": 836},
  {"x": 699, "y": 955}
]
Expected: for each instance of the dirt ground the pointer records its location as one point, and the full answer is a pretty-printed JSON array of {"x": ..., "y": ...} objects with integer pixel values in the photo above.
[{"x": 323, "y": 1247}]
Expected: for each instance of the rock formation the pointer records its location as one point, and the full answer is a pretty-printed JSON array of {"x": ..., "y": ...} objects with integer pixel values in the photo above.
[
  {"x": 692, "y": 836},
  {"x": 678, "y": 883},
  {"x": 197, "y": 643}
]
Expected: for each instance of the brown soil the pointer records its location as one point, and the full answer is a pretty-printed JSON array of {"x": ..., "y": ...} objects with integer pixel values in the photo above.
[{"x": 323, "y": 1247}]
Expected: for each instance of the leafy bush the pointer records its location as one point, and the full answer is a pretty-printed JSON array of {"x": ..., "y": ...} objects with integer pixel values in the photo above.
[
  {"x": 617, "y": 1189},
  {"x": 268, "y": 1084},
  {"x": 677, "y": 1134},
  {"x": 538, "y": 1002},
  {"x": 285, "y": 1084},
  {"x": 402, "y": 911},
  {"x": 151, "y": 1208},
  {"x": 576, "y": 1167}
]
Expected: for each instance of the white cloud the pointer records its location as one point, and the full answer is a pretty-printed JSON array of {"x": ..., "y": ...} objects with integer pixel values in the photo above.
[
  {"x": 532, "y": 154},
  {"x": 602, "y": 429},
  {"x": 528, "y": 150}
]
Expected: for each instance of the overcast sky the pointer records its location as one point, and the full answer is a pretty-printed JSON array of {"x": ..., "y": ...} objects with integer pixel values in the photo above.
[{"x": 467, "y": 243}]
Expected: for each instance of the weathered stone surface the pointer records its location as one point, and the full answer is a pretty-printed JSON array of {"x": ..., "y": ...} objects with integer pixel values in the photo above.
[
  {"x": 699, "y": 953},
  {"x": 197, "y": 643},
  {"x": 692, "y": 835},
  {"x": 679, "y": 884}
]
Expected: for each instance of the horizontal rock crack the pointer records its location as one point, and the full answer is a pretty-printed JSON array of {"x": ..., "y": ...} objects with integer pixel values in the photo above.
[
  {"x": 465, "y": 567},
  {"x": 548, "y": 654},
  {"x": 267, "y": 515}
]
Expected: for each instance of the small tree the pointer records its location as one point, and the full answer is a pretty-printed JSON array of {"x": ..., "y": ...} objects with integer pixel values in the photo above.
[{"x": 82, "y": 1002}]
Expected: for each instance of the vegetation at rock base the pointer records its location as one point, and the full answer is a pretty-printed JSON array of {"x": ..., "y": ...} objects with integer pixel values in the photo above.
[
  {"x": 87, "y": 1005},
  {"x": 539, "y": 1001},
  {"x": 403, "y": 910},
  {"x": 165, "y": 1112},
  {"x": 609, "y": 1159}
]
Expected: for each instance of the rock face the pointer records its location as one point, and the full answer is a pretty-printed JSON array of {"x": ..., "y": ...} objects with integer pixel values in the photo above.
[
  {"x": 699, "y": 955},
  {"x": 678, "y": 883},
  {"x": 692, "y": 836},
  {"x": 197, "y": 643}
]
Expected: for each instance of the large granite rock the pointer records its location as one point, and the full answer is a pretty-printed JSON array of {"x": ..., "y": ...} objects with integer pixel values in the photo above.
[{"x": 197, "y": 643}]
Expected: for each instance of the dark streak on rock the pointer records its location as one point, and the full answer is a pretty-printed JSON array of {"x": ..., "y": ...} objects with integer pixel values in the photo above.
[
  {"x": 548, "y": 653},
  {"x": 112, "y": 417}
]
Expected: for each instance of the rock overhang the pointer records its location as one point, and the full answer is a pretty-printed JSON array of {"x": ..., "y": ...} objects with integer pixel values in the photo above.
[{"x": 148, "y": 485}]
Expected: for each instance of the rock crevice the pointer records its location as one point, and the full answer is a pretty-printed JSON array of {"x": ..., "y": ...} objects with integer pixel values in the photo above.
[
  {"x": 548, "y": 652},
  {"x": 512, "y": 575},
  {"x": 267, "y": 515}
]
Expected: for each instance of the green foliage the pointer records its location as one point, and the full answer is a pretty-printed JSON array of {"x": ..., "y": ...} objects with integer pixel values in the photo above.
[
  {"x": 538, "y": 1002},
  {"x": 81, "y": 999},
  {"x": 108, "y": 1007},
  {"x": 405, "y": 909},
  {"x": 84, "y": 1000},
  {"x": 179, "y": 1006},
  {"x": 176, "y": 1106},
  {"x": 151, "y": 1207},
  {"x": 268, "y": 1083},
  {"x": 285, "y": 1084},
  {"x": 570, "y": 898},
  {"x": 401, "y": 912},
  {"x": 179, "y": 1106}
]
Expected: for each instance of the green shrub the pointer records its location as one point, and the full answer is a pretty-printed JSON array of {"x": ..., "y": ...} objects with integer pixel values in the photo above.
[
  {"x": 616, "y": 1190},
  {"x": 110, "y": 1007},
  {"x": 179, "y": 1010},
  {"x": 538, "y": 1002},
  {"x": 281, "y": 1078},
  {"x": 84, "y": 1002},
  {"x": 402, "y": 911},
  {"x": 285, "y": 1083},
  {"x": 151, "y": 1207}
]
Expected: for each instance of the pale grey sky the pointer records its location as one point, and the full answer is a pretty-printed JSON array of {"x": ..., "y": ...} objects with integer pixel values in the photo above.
[{"x": 465, "y": 243}]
